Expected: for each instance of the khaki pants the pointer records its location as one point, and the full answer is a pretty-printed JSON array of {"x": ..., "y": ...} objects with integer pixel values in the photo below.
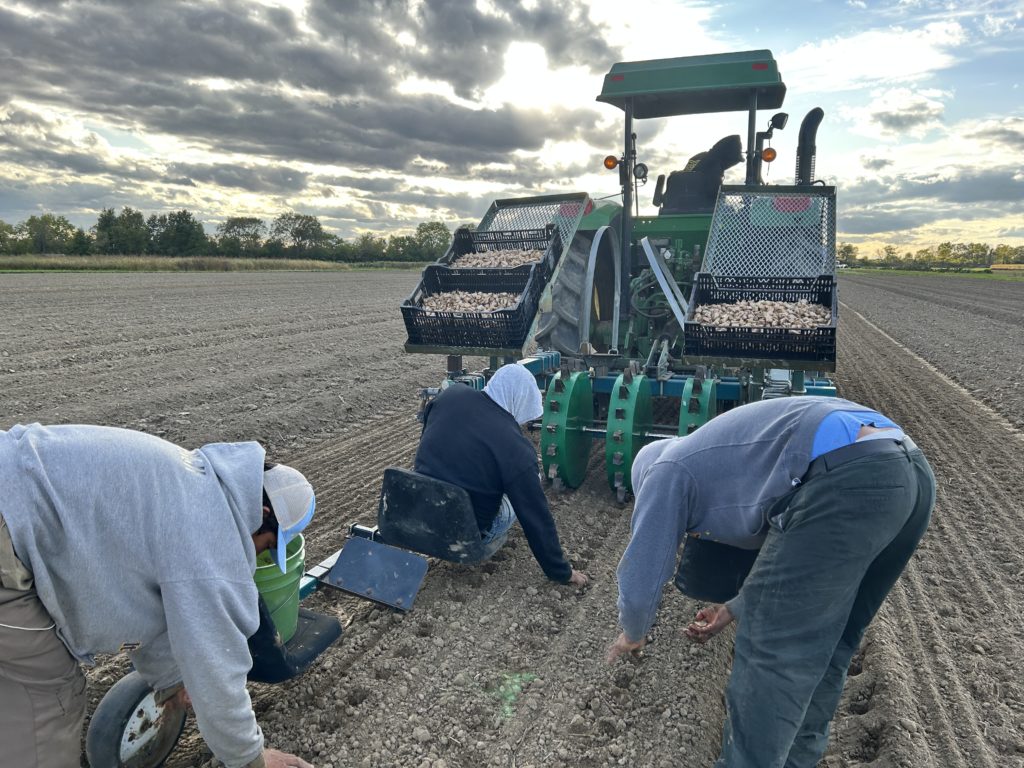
[{"x": 42, "y": 688}]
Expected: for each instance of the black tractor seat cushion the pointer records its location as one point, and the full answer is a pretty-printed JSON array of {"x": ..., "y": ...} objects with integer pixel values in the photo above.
[
  {"x": 430, "y": 516},
  {"x": 695, "y": 189}
]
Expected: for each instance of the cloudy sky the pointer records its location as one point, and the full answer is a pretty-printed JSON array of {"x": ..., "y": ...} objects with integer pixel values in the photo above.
[{"x": 375, "y": 115}]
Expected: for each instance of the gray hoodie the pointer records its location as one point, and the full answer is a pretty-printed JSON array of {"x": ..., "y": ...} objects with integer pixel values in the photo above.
[
  {"x": 720, "y": 483},
  {"x": 132, "y": 540}
]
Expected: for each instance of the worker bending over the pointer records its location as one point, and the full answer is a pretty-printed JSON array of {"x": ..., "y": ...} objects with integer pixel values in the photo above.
[
  {"x": 837, "y": 498},
  {"x": 112, "y": 540},
  {"x": 474, "y": 440}
]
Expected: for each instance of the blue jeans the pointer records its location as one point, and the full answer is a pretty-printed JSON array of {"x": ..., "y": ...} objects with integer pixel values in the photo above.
[
  {"x": 506, "y": 517},
  {"x": 830, "y": 558}
]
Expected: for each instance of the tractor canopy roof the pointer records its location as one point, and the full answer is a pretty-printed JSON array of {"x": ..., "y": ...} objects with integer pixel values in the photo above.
[{"x": 689, "y": 85}]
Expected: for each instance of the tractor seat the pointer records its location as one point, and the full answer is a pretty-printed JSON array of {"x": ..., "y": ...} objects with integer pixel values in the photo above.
[
  {"x": 695, "y": 188},
  {"x": 431, "y": 517},
  {"x": 690, "y": 192}
]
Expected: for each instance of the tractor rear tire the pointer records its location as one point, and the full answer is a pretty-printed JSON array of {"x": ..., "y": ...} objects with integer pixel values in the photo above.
[{"x": 559, "y": 329}]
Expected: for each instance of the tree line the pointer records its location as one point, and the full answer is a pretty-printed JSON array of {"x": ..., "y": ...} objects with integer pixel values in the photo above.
[
  {"x": 950, "y": 256},
  {"x": 290, "y": 235},
  {"x": 301, "y": 236}
]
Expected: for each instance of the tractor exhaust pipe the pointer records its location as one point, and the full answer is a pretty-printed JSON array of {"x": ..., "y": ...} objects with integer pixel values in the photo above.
[{"x": 806, "y": 148}]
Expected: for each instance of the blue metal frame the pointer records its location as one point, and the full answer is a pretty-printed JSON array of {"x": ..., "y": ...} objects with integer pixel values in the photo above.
[
  {"x": 729, "y": 387},
  {"x": 542, "y": 363}
]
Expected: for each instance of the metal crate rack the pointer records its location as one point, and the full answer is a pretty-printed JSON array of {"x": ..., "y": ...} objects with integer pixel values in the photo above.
[
  {"x": 773, "y": 232},
  {"x": 563, "y": 211},
  {"x": 546, "y": 223}
]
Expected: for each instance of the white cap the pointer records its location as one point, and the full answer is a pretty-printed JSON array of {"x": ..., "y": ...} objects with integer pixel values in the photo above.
[{"x": 292, "y": 501}]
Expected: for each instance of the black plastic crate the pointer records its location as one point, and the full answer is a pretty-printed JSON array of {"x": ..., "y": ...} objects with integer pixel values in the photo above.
[
  {"x": 438, "y": 278},
  {"x": 470, "y": 240},
  {"x": 804, "y": 344},
  {"x": 503, "y": 328},
  {"x": 546, "y": 240}
]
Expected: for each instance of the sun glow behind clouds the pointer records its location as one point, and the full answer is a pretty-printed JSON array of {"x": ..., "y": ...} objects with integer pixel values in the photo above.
[
  {"x": 564, "y": 154},
  {"x": 530, "y": 81}
]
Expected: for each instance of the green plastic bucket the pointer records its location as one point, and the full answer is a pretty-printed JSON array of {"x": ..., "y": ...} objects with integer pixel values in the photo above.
[{"x": 280, "y": 591}]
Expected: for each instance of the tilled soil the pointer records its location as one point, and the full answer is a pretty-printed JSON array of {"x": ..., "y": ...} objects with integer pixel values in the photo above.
[
  {"x": 286, "y": 358},
  {"x": 970, "y": 329},
  {"x": 496, "y": 665}
]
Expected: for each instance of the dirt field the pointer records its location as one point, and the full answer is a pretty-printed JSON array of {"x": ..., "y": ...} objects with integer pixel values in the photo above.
[{"x": 497, "y": 666}]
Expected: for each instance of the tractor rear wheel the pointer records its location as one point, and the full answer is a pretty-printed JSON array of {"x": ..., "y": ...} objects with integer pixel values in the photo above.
[
  {"x": 583, "y": 297},
  {"x": 559, "y": 329}
]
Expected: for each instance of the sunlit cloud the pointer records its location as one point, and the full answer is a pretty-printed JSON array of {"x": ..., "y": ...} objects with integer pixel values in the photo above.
[
  {"x": 379, "y": 120},
  {"x": 875, "y": 57}
]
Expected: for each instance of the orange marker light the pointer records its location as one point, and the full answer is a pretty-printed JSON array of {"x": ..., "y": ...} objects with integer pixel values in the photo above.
[
  {"x": 611, "y": 162},
  {"x": 769, "y": 154}
]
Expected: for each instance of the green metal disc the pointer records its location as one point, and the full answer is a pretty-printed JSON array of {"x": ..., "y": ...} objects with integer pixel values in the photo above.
[
  {"x": 629, "y": 419},
  {"x": 698, "y": 405},
  {"x": 564, "y": 447}
]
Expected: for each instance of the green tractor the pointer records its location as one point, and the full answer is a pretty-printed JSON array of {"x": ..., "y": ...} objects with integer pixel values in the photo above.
[{"x": 606, "y": 318}]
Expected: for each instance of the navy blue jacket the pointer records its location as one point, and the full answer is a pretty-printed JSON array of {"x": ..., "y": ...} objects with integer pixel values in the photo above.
[{"x": 471, "y": 441}]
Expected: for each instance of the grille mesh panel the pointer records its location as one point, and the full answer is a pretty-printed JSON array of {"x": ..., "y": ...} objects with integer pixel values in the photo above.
[{"x": 773, "y": 231}]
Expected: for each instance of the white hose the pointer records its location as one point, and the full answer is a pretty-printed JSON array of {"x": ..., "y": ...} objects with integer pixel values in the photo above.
[{"x": 29, "y": 629}]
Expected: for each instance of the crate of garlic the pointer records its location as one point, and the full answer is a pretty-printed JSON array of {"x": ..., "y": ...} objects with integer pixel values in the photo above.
[
  {"x": 469, "y": 301},
  {"x": 503, "y": 258},
  {"x": 445, "y": 312},
  {"x": 484, "y": 291},
  {"x": 762, "y": 318},
  {"x": 765, "y": 313},
  {"x": 503, "y": 249}
]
